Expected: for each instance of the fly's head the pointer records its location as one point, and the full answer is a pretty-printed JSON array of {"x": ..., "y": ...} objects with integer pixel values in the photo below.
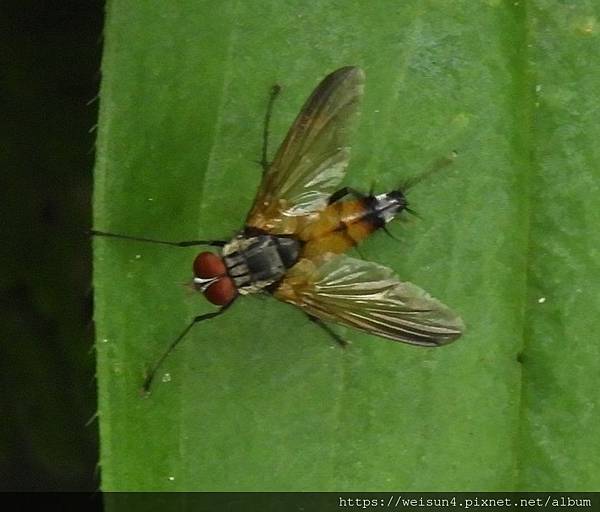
[{"x": 210, "y": 278}]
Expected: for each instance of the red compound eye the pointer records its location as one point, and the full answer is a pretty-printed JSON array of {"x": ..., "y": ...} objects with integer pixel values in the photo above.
[
  {"x": 221, "y": 292},
  {"x": 208, "y": 265}
]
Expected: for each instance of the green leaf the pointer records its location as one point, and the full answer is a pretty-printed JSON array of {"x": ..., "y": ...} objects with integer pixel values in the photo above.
[{"x": 259, "y": 399}]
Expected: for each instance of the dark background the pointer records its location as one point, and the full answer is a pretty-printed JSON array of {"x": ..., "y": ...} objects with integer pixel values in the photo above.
[{"x": 49, "y": 77}]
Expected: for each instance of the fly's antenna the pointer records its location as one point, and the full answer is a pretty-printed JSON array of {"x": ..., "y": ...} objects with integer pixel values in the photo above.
[
  {"x": 186, "y": 243},
  {"x": 437, "y": 166},
  {"x": 152, "y": 373}
]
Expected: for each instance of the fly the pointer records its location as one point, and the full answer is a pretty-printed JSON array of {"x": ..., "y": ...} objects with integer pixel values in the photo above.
[{"x": 301, "y": 223}]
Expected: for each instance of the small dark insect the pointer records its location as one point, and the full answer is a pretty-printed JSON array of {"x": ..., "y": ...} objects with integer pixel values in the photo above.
[{"x": 300, "y": 225}]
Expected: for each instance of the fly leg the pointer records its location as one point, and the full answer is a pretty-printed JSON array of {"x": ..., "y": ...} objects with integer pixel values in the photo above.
[
  {"x": 343, "y": 192},
  {"x": 187, "y": 243},
  {"x": 341, "y": 341},
  {"x": 152, "y": 373},
  {"x": 264, "y": 163}
]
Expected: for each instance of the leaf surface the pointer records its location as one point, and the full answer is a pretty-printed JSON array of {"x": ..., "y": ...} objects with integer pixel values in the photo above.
[{"x": 260, "y": 399}]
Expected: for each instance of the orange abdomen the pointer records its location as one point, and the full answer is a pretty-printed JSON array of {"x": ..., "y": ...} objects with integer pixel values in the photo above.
[{"x": 339, "y": 227}]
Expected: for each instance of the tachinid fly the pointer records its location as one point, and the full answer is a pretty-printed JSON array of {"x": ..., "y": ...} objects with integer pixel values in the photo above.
[{"x": 301, "y": 224}]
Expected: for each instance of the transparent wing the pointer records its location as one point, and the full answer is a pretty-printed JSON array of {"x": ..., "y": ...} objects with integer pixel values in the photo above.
[
  {"x": 312, "y": 160},
  {"x": 369, "y": 297}
]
